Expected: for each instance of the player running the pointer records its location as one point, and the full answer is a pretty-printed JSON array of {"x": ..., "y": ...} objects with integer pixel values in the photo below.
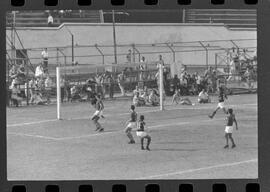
[
  {"x": 132, "y": 123},
  {"x": 143, "y": 134},
  {"x": 98, "y": 104},
  {"x": 230, "y": 119},
  {"x": 221, "y": 98}
]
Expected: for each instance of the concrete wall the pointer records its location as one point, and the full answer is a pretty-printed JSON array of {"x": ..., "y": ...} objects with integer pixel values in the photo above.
[{"x": 101, "y": 33}]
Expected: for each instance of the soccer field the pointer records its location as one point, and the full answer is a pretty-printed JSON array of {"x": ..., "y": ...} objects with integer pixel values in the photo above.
[{"x": 186, "y": 144}]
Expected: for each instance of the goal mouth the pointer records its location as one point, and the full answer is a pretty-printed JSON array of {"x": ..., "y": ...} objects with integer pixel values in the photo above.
[{"x": 136, "y": 74}]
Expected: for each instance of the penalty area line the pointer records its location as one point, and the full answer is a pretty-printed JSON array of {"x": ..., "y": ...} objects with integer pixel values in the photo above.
[
  {"x": 198, "y": 169},
  {"x": 110, "y": 115}
]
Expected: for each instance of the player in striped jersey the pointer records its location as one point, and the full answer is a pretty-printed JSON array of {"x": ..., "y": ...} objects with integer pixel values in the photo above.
[{"x": 132, "y": 124}]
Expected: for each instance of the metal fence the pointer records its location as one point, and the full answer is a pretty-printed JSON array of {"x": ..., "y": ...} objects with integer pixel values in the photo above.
[{"x": 188, "y": 53}]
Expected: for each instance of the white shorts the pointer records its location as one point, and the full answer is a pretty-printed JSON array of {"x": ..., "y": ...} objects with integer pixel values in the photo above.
[
  {"x": 98, "y": 113},
  {"x": 221, "y": 105},
  {"x": 228, "y": 129},
  {"x": 141, "y": 133},
  {"x": 132, "y": 125}
]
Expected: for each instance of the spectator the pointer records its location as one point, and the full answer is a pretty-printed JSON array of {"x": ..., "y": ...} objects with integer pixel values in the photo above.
[
  {"x": 68, "y": 93},
  {"x": 142, "y": 68},
  {"x": 15, "y": 95},
  {"x": 111, "y": 85},
  {"x": 154, "y": 98},
  {"x": 13, "y": 73},
  {"x": 137, "y": 100},
  {"x": 48, "y": 88},
  {"x": 145, "y": 95},
  {"x": 121, "y": 81},
  {"x": 176, "y": 96},
  {"x": 39, "y": 73},
  {"x": 103, "y": 85},
  {"x": 37, "y": 98},
  {"x": 176, "y": 83},
  {"x": 129, "y": 55},
  {"x": 31, "y": 87},
  {"x": 45, "y": 57},
  {"x": 136, "y": 90},
  {"x": 249, "y": 76},
  {"x": 98, "y": 79},
  {"x": 50, "y": 20},
  {"x": 62, "y": 87},
  {"x": 203, "y": 97},
  {"x": 74, "y": 93},
  {"x": 183, "y": 84}
]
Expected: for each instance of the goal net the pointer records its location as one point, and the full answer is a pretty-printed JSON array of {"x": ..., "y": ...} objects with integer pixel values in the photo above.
[{"x": 78, "y": 82}]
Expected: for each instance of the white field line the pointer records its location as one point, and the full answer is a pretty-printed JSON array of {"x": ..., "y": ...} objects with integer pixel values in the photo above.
[
  {"x": 198, "y": 169},
  {"x": 109, "y": 115},
  {"x": 30, "y": 135},
  {"x": 109, "y": 133}
]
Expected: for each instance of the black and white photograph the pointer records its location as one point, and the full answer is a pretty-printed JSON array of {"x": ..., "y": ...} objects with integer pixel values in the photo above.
[{"x": 131, "y": 94}]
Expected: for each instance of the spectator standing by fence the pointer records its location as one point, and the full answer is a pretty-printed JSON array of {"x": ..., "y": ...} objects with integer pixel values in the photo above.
[
  {"x": 48, "y": 88},
  {"x": 129, "y": 56},
  {"x": 45, "y": 57},
  {"x": 50, "y": 20},
  {"x": 111, "y": 85},
  {"x": 121, "y": 82},
  {"x": 39, "y": 72}
]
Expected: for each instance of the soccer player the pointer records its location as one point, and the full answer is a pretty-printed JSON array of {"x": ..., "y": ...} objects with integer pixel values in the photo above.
[
  {"x": 221, "y": 98},
  {"x": 98, "y": 113},
  {"x": 143, "y": 134},
  {"x": 132, "y": 123},
  {"x": 230, "y": 119}
]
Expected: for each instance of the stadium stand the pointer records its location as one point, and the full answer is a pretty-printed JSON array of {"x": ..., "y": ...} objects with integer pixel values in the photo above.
[
  {"x": 39, "y": 18},
  {"x": 233, "y": 18}
]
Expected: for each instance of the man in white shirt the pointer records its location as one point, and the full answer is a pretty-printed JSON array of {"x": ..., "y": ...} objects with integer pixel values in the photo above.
[
  {"x": 203, "y": 97},
  {"x": 39, "y": 71},
  {"x": 50, "y": 20}
]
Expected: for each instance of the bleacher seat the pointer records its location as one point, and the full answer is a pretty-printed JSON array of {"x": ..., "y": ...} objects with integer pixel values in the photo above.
[{"x": 233, "y": 18}]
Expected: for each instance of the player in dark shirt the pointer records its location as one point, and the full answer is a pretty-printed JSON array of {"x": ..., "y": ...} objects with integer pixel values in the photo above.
[
  {"x": 230, "y": 119},
  {"x": 98, "y": 113},
  {"x": 221, "y": 98},
  {"x": 131, "y": 124},
  {"x": 143, "y": 134}
]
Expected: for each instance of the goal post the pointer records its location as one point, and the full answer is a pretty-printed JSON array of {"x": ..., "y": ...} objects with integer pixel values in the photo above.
[
  {"x": 161, "y": 87},
  {"x": 78, "y": 76},
  {"x": 58, "y": 92}
]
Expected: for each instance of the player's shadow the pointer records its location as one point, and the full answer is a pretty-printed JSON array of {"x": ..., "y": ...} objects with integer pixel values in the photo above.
[
  {"x": 174, "y": 142},
  {"x": 175, "y": 149}
]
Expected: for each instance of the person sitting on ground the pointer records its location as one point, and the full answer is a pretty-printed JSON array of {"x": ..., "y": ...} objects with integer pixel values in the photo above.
[
  {"x": 138, "y": 101},
  {"x": 37, "y": 97},
  {"x": 154, "y": 98},
  {"x": 74, "y": 93},
  {"x": 136, "y": 90},
  {"x": 203, "y": 97},
  {"x": 183, "y": 101},
  {"x": 39, "y": 72},
  {"x": 176, "y": 96},
  {"x": 144, "y": 94}
]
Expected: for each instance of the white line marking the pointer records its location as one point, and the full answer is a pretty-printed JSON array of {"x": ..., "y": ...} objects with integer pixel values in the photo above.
[
  {"x": 109, "y": 133},
  {"x": 110, "y": 115},
  {"x": 199, "y": 169},
  {"x": 31, "y": 123},
  {"x": 29, "y": 135}
]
